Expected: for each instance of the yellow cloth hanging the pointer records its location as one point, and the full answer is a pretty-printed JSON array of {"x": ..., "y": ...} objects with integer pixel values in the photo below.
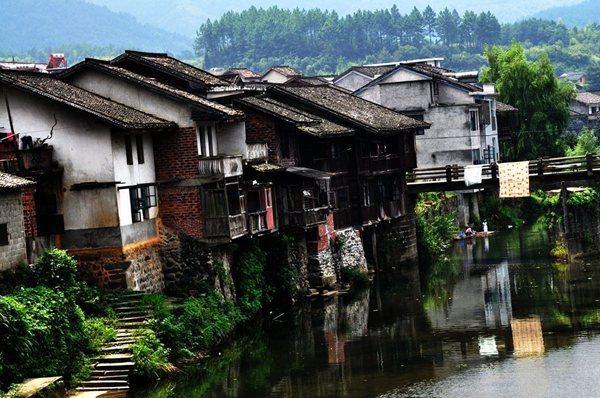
[{"x": 514, "y": 179}]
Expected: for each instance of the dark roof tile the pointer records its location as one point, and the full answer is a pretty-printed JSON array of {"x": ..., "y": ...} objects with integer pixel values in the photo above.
[
  {"x": 12, "y": 182},
  {"x": 116, "y": 114}
]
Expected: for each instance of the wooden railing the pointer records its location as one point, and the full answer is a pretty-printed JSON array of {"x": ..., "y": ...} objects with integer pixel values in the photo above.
[
  {"x": 586, "y": 164},
  {"x": 308, "y": 217},
  {"x": 228, "y": 226},
  {"x": 381, "y": 163},
  {"x": 257, "y": 151},
  {"x": 257, "y": 221},
  {"x": 226, "y": 165},
  {"x": 26, "y": 160}
]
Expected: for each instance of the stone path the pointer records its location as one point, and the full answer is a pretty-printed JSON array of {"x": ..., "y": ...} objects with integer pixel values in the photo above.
[{"x": 111, "y": 370}]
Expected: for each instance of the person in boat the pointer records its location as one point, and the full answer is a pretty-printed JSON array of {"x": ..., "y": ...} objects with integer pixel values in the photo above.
[{"x": 469, "y": 232}]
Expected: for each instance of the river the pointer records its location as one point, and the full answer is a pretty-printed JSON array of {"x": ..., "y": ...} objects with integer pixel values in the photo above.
[{"x": 497, "y": 318}]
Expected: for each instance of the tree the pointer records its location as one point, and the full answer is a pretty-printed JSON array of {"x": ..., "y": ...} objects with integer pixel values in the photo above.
[
  {"x": 429, "y": 21},
  {"x": 593, "y": 75},
  {"x": 541, "y": 99}
]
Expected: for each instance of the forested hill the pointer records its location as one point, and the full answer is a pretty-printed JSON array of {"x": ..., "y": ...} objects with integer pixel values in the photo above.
[
  {"x": 575, "y": 15},
  {"x": 52, "y": 24},
  {"x": 318, "y": 41}
]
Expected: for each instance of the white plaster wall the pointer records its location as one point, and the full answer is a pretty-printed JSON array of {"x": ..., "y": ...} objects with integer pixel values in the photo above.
[
  {"x": 135, "y": 96},
  {"x": 404, "y": 75},
  {"x": 231, "y": 139},
  {"x": 82, "y": 146},
  {"x": 406, "y": 96},
  {"x": 275, "y": 77},
  {"x": 452, "y": 95},
  {"x": 372, "y": 94},
  {"x": 132, "y": 174},
  {"x": 449, "y": 137},
  {"x": 353, "y": 81}
]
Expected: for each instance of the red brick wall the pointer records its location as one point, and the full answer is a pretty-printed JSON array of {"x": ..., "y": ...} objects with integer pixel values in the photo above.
[
  {"x": 260, "y": 128},
  {"x": 176, "y": 158},
  {"x": 29, "y": 212}
]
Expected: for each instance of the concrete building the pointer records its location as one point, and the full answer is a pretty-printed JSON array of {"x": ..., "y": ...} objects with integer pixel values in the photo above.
[
  {"x": 15, "y": 223},
  {"x": 463, "y": 116},
  {"x": 585, "y": 112}
]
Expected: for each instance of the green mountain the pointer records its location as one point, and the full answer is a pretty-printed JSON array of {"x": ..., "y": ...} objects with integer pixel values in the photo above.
[
  {"x": 185, "y": 16},
  {"x": 53, "y": 24},
  {"x": 575, "y": 15}
]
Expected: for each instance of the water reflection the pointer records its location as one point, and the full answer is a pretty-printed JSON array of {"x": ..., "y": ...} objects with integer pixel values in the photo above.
[{"x": 492, "y": 317}]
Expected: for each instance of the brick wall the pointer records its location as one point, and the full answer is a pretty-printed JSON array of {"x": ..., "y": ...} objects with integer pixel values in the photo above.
[
  {"x": 11, "y": 213},
  {"x": 176, "y": 158},
  {"x": 29, "y": 212},
  {"x": 261, "y": 128}
]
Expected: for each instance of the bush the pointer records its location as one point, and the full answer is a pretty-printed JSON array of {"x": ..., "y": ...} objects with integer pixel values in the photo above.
[
  {"x": 98, "y": 331},
  {"x": 56, "y": 269},
  {"x": 499, "y": 214},
  {"x": 355, "y": 277},
  {"x": 436, "y": 227},
  {"x": 199, "y": 325},
  {"x": 251, "y": 287},
  {"x": 150, "y": 355},
  {"x": 46, "y": 331}
]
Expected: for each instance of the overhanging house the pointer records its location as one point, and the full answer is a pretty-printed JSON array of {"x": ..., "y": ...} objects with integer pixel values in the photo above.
[{"x": 92, "y": 160}]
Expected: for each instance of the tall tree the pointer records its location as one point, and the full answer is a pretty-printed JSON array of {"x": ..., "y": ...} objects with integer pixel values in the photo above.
[
  {"x": 429, "y": 21},
  {"x": 542, "y": 100}
]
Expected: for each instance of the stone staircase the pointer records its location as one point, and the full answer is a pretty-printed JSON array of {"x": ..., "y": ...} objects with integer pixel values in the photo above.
[{"x": 112, "y": 368}]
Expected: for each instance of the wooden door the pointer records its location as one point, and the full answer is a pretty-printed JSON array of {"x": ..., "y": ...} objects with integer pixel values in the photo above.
[{"x": 266, "y": 202}]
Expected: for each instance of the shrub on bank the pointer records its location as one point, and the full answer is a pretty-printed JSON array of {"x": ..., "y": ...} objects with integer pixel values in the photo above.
[
  {"x": 150, "y": 355},
  {"x": 436, "y": 227},
  {"x": 251, "y": 287}
]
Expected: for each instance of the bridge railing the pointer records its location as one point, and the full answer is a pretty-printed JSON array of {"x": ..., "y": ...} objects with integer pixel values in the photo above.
[{"x": 587, "y": 164}]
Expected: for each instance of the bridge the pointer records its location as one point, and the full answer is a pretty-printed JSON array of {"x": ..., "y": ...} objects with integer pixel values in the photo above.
[{"x": 543, "y": 174}]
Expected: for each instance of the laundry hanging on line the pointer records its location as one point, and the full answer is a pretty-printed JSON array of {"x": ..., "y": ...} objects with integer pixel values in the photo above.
[
  {"x": 514, "y": 179},
  {"x": 473, "y": 174}
]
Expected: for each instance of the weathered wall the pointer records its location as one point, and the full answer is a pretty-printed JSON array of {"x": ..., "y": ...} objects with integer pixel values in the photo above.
[
  {"x": 145, "y": 271},
  {"x": 176, "y": 162},
  {"x": 353, "y": 81},
  {"x": 397, "y": 241},
  {"x": 11, "y": 213},
  {"x": 412, "y": 95},
  {"x": 260, "y": 128},
  {"x": 231, "y": 139},
  {"x": 349, "y": 251},
  {"x": 134, "y": 95}
]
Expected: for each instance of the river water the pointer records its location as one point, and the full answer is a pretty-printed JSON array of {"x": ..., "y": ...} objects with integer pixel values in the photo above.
[{"x": 496, "y": 318}]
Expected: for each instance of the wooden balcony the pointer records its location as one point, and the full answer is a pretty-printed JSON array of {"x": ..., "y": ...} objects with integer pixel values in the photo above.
[
  {"x": 225, "y": 166},
  {"x": 381, "y": 164},
  {"x": 225, "y": 227},
  {"x": 308, "y": 217},
  {"x": 342, "y": 218},
  {"x": 332, "y": 165},
  {"x": 257, "y": 222},
  {"x": 257, "y": 152},
  {"x": 26, "y": 161}
]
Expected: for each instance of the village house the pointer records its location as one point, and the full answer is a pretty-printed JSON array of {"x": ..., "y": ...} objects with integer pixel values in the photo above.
[
  {"x": 279, "y": 74},
  {"x": 92, "y": 160},
  {"x": 577, "y": 78},
  {"x": 463, "y": 116},
  {"x": 585, "y": 111},
  {"x": 17, "y": 219},
  {"x": 339, "y": 164}
]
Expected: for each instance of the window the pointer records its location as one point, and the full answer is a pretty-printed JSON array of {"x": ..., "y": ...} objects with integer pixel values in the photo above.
[
  {"x": 139, "y": 146},
  {"x": 3, "y": 234},
  {"x": 142, "y": 199},
  {"x": 436, "y": 88},
  {"x": 493, "y": 116},
  {"x": 128, "y": 150},
  {"x": 233, "y": 199},
  {"x": 474, "y": 120},
  {"x": 285, "y": 144},
  {"x": 207, "y": 140}
]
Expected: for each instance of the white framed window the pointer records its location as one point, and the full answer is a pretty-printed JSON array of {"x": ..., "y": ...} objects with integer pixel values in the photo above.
[
  {"x": 207, "y": 140},
  {"x": 474, "y": 119}
]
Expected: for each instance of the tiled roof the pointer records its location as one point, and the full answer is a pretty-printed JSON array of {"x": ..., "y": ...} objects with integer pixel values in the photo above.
[
  {"x": 503, "y": 107},
  {"x": 350, "y": 108},
  {"x": 304, "y": 121},
  {"x": 438, "y": 73},
  {"x": 244, "y": 73},
  {"x": 155, "y": 85},
  {"x": 284, "y": 70},
  {"x": 588, "y": 97},
  {"x": 171, "y": 65},
  {"x": 113, "y": 113},
  {"x": 367, "y": 70},
  {"x": 11, "y": 182}
]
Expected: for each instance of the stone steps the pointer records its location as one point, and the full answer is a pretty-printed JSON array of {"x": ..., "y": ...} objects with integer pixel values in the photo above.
[
  {"x": 115, "y": 366},
  {"x": 117, "y": 348},
  {"x": 127, "y": 319},
  {"x": 119, "y": 388},
  {"x": 111, "y": 358},
  {"x": 105, "y": 383},
  {"x": 110, "y": 373}
]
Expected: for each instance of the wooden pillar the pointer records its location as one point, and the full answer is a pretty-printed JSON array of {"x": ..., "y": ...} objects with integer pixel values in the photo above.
[{"x": 564, "y": 196}]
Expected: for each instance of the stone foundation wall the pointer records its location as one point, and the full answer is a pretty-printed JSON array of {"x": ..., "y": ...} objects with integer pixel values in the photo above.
[
  {"x": 349, "y": 250},
  {"x": 298, "y": 257},
  {"x": 321, "y": 268},
  {"x": 11, "y": 214},
  {"x": 145, "y": 271},
  {"x": 397, "y": 241}
]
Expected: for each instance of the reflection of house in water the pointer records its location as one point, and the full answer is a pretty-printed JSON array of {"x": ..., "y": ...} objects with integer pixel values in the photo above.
[
  {"x": 527, "y": 336},
  {"x": 478, "y": 300}
]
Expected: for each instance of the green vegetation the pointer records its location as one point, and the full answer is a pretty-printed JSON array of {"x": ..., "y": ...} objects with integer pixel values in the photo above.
[
  {"x": 355, "y": 277},
  {"x": 323, "y": 42},
  {"x": 500, "y": 213},
  {"x": 251, "y": 288},
  {"x": 150, "y": 355},
  {"x": 436, "y": 225},
  {"x": 587, "y": 142},
  {"x": 541, "y": 99}
]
